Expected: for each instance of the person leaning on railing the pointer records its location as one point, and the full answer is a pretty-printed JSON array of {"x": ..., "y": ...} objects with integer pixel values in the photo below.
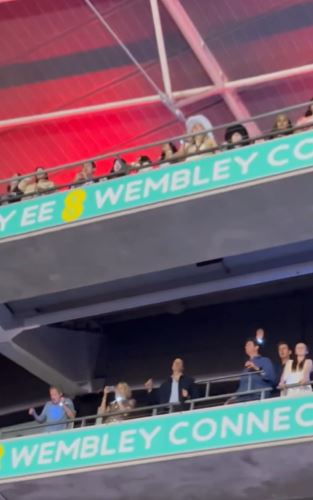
[
  {"x": 14, "y": 192},
  {"x": 142, "y": 163},
  {"x": 86, "y": 174},
  {"x": 203, "y": 140},
  {"x": 262, "y": 376},
  {"x": 168, "y": 152},
  {"x": 282, "y": 126},
  {"x": 236, "y": 136},
  {"x": 122, "y": 401},
  {"x": 36, "y": 184}
]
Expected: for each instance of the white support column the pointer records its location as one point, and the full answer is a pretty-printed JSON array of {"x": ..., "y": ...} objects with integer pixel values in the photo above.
[
  {"x": 208, "y": 61},
  {"x": 161, "y": 47}
]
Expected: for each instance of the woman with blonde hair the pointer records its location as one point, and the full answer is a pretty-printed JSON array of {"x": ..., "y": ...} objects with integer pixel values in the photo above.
[{"x": 122, "y": 401}]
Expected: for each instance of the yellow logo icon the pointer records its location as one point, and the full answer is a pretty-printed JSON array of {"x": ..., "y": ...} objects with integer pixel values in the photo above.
[
  {"x": 1, "y": 453},
  {"x": 73, "y": 205}
]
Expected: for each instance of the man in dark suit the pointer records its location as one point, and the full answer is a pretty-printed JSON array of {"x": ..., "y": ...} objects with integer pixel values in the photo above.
[{"x": 176, "y": 389}]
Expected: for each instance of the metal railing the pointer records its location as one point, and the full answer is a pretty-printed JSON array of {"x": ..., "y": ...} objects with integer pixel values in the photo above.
[
  {"x": 132, "y": 168},
  {"x": 228, "y": 378},
  {"x": 118, "y": 154},
  {"x": 151, "y": 410}
]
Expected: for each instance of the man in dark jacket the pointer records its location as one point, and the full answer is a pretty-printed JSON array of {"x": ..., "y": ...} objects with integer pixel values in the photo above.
[{"x": 176, "y": 389}]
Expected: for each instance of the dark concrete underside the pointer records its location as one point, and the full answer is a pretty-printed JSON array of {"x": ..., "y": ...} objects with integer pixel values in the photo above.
[{"x": 277, "y": 212}]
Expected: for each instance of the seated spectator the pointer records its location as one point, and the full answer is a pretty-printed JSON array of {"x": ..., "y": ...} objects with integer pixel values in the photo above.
[
  {"x": 37, "y": 184},
  {"x": 42, "y": 180},
  {"x": 297, "y": 371},
  {"x": 236, "y": 136},
  {"x": 143, "y": 163},
  {"x": 119, "y": 167},
  {"x": 56, "y": 411},
  {"x": 282, "y": 126},
  {"x": 307, "y": 119},
  {"x": 204, "y": 140},
  {"x": 176, "y": 389},
  {"x": 14, "y": 192},
  {"x": 168, "y": 153},
  {"x": 87, "y": 173},
  {"x": 122, "y": 401},
  {"x": 255, "y": 363}
]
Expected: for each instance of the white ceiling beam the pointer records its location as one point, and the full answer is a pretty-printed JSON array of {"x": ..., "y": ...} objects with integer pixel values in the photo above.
[
  {"x": 184, "y": 97},
  {"x": 251, "y": 81},
  {"x": 208, "y": 61},
  {"x": 161, "y": 47},
  {"x": 96, "y": 108}
]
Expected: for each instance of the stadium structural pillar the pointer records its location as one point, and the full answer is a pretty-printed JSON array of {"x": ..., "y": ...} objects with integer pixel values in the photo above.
[{"x": 57, "y": 356}]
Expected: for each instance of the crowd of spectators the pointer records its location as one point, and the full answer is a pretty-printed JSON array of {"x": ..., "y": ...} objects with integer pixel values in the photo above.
[
  {"x": 260, "y": 378},
  {"x": 201, "y": 140}
]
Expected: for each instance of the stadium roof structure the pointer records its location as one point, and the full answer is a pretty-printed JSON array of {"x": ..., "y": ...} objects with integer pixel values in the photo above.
[{"x": 83, "y": 77}]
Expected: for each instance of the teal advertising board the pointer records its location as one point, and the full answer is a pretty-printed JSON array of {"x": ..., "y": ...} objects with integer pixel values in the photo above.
[
  {"x": 163, "y": 437},
  {"x": 200, "y": 175}
]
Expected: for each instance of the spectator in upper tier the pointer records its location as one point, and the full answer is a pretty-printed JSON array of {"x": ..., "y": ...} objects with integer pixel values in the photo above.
[
  {"x": 284, "y": 354},
  {"x": 256, "y": 363},
  {"x": 202, "y": 141},
  {"x": 119, "y": 167},
  {"x": 307, "y": 119},
  {"x": 142, "y": 164},
  {"x": 87, "y": 173},
  {"x": 169, "y": 151},
  {"x": 56, "y": 411},
  {"x": 297, "y": 371},
  {"x": 14, "y": 192},
  {"x": 176, "y": 389},
  {"x": 236, "y": 136},
  {"x": 282, "y": 126},
  {"x": 38, "y": 184},
  {"x": 122, "y": 401}
]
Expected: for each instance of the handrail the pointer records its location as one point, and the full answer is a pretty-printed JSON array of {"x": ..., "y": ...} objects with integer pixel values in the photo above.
[
  {"x": 151, "y": 408},
  {"x": 139, "y": 409},
  {"x": 232, "y": 377},
  {"x": 117, "y": 154},
  {"x": 112, "y": 175},
  {"x": 154, "y": 408},
  {"x": 232, "y": 395}
]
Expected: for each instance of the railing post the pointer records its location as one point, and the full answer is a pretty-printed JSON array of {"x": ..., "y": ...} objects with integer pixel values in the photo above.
[
  {"x": 207, "y": 389},
  {"x": 249, "y": 381}
]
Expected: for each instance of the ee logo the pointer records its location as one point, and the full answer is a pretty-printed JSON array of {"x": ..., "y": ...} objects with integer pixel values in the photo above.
[
  {"x": 1, "y": 453},
  {"x": 73, "y": 205}
]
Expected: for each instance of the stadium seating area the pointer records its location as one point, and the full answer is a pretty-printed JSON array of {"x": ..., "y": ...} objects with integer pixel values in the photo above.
[{"x": 199, "y": 139}]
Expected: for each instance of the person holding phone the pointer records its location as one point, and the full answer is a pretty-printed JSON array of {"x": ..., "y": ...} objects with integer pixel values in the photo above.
[
  {"x": 57, "y": 411},
  {"x": 121, "y": 401}
]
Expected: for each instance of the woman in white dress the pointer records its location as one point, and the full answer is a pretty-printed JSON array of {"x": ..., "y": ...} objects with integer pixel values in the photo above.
[{"x": 297, "y": 371}]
